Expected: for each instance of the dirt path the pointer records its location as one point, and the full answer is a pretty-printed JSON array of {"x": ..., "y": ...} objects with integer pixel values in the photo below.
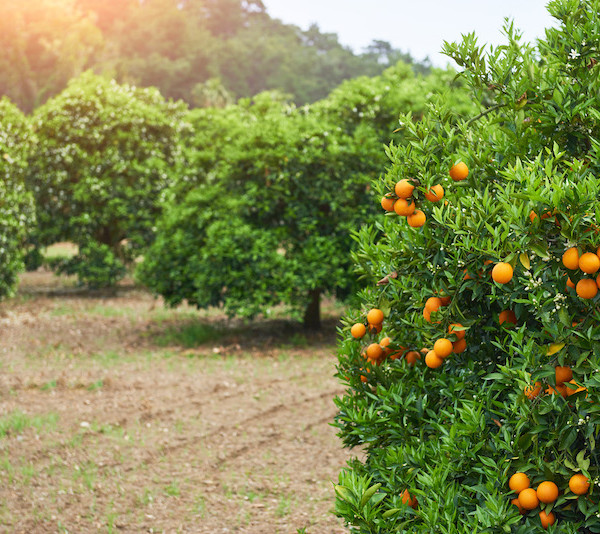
[{"x": 119, "y": 416}]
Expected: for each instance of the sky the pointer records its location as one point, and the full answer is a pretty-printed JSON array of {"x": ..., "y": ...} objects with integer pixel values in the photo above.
[{"x": 416, "y": 26}]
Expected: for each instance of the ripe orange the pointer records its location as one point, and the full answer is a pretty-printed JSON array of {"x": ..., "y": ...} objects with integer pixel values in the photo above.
[
  {"x": 358, "y": 330},
  {"x": 547, "y": 492},
  {"x": 576, "y": 390},
  {"x": 459, "y": 171},
  {"x": 579, "y": 484},
  {"x": 363, "y": 378},
  {"x": 432, "y": 360},
  {"x": 435, "y": 194},
  {"x": 374, "y": 328},
  {"x": 374, "y": 351},
  {"x": 427, "y": 315},
  {"x": 459, "y": 346},
  {"x": 384, "y": 345},
  {"x": 507, "y": 316},
  {"x": 570, "y": 258},
  {"x": 547, "y": 519},
  {"x": 562, "y": 374},
  {"x": 502, "y": 272},
  {"x": 404, "y": 188},
  {"x": 558, "y": 390},
  {"x": 404, "y": 207},
  {"x": 589, "y": 263},
  {"x": 412, "y": 357},
  {"x": 417, "y": 219},
  {"x": 460, "y": 334},
  {"x": 518, "y": 482},
  {"x": 570, "y": 283},
  {"x": 443, "y": 347},
  {"x": 586, "y": 288},
  {"x": 528, "y": 499},
  {"x": 445, "y": 300},
  {"x": 433, "y": 304},
  {"x": 375, "y": 316},
  {"x": 531, "y": 392},
  {"x": 409, "y": 499},
  {"x": 387, "y": 203},
  {"x": 515, "y": 501}
]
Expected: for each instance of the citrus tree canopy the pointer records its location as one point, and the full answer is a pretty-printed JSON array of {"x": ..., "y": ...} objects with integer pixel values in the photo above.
[{"x": 475, "y": 394}]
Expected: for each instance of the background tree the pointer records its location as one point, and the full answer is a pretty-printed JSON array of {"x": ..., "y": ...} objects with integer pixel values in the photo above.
[
  {"x": 16, "y": 207},
  {"x": 104, "y": 155},
  {"x": 280, "y": 189},
  {"x": 475, "y": 398}
]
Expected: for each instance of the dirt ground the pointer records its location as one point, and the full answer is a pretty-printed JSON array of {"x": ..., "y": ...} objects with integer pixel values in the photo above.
[{"x": 117, "y": 415}]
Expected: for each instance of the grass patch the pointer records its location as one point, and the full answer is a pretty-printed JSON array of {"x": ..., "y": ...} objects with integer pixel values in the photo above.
[
  {"x": 189, "y": 335},
  {"x": 17, "y": 421}
]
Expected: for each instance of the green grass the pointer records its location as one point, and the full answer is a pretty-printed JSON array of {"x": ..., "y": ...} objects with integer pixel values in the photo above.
[
  {"x": 17, "y": 421},
  {"x": 189, "y": 335},
  {"x": 60, "y": 250},
  {"x": 172, "y": 490}
]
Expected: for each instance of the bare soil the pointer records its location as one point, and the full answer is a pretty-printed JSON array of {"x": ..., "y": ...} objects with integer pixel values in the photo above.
[{"x": 117, "y": 415}]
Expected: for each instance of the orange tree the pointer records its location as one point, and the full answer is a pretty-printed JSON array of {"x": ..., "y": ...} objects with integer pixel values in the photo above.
[
  {"x": 103, "y": 156},
  {"x": 267, "y": 217},
  {"x": 479, "y": 412},
  {"x": 16, "y": 203}
]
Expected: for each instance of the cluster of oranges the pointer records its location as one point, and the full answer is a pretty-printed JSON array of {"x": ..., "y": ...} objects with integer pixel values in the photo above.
[
  {"x": 589, "y": 263},
  {"x": 546, "y": 493},
  {"x": 562, "y": 375},
  {"x": 443, "y": 347},
  {"x": 375, "y": 353},
  {"x": 404, "y": 205}
]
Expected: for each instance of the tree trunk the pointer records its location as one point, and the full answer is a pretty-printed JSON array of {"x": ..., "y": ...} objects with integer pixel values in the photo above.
[{"x": 312, "y": 314}]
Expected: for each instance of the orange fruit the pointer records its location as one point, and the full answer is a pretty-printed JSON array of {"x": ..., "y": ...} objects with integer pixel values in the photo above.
[
  {"x": 547, "y": 519},
  {"x": 531, "y": 392},
  {"x": 579, "y": 484},
  {"x": 502, "y": 272},
  {"x": 363, "y": 378},
  {"x": 435, "y": 194},
  {"x": 433, "y": 304},
  {"x": 432, "y": 360},
  {"x": 412, "y": 357},
  {"x": 518, "y": 482},
  {"x": 562, "y": 374},
  {"x": 387, "y": 203},
  {"x": 384, "y": 345},
  {"x": 374, "y": 351},
  {"x": 459, "y": 346},
  {"x": 515, "y": 501},
  {"x": 598, "y": 280},
  {"x": 445, "y": 300},
  {"x": 427, "y": 315},
  {"x": 409, "y": 499},
  {"x": 507, "y": 316},
  {"x": 417, "y": 219},
  {"x": 547, "y": 492},
  {"x": 375, "y": 316},
  {"x": 558, "y": 390},
  {"x": 404, "y": 207},
  {"x": 576, "y": 390},
  {"x": 570, "y": 258},
  {"x": 570, "y": 283},
  {"x": 443, "y": 347},
  {"x": 404, "y": 189},
  {"x": 459, "y": 171},
  {"x": 358, "y": 330},
  {"x": 528, "y": 499},
  {"x": 589, "y": 263},
  {"x": 460, "y": 334},
  {"x": 586, "y": 288},
  {"x": 374, "y": 328}
]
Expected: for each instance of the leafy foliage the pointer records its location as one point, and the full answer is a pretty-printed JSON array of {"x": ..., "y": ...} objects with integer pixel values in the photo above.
[
  {"x": 290, "y": 184},
  {"x": 16, "y": 206},
  {"x": 453, "y": 436},
  {"x": 103, "y": 157},
  {"x": 176, "y": 46}
]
